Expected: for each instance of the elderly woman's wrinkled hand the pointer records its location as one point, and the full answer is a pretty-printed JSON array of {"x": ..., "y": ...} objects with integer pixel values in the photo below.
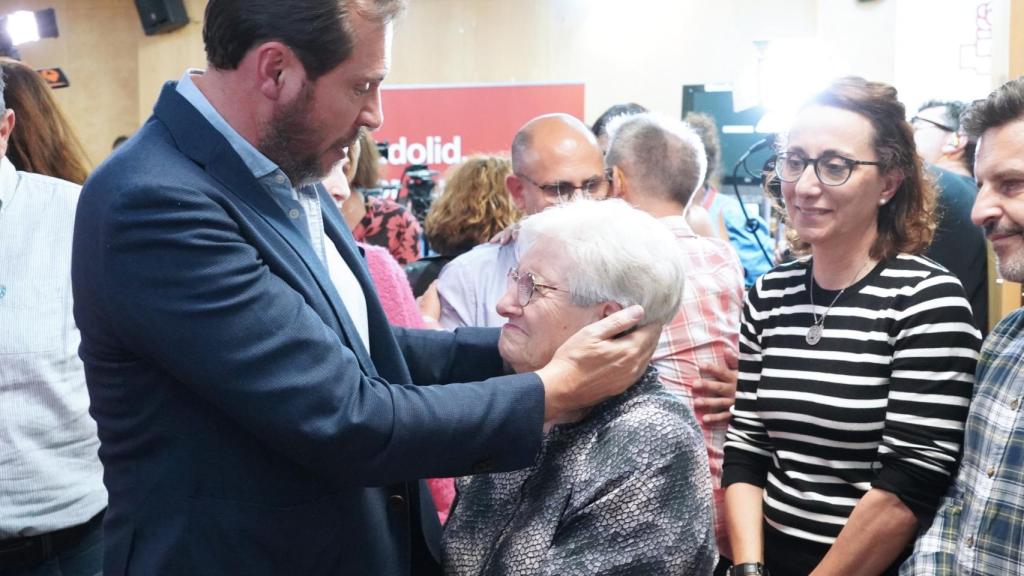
[{"x": 602, "y": 360}]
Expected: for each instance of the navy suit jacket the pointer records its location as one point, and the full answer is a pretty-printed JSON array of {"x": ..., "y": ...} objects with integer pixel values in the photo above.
[{"x": 244, "y": 427}]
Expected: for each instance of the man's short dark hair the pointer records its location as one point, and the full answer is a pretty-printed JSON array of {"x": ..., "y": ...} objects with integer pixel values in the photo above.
[
  {"x": 953, "y": 110},
  {"x": 1004, "y": 105},
  {"x": 601, "y": 124},
  {"x": 317, "y": 30}
]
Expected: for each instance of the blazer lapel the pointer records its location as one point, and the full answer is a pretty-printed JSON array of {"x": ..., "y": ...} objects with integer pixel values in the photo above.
[{"x": 201, "y": 142}]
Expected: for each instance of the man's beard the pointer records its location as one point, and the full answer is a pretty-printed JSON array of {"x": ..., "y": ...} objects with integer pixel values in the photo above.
[
  {"x": 288, "y": 140},
  {"x": 1011, "y": 266}
]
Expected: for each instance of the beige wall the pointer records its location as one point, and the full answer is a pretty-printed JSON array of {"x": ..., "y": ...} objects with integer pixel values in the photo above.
[
  {"x": 98, "y": 50},
  {"x": 166, "y": 56},
  {"x": 642, "y": 50},
  {"x": 644, "y": 53}
]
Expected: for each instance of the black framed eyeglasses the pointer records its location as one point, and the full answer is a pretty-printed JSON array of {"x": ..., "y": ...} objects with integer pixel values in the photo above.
[
  {"x": 918, "y": 119},
  {"x": 526, "y": 284},
  {"x": 831, "y": 169},
  {"x": 562, "y": 191}
]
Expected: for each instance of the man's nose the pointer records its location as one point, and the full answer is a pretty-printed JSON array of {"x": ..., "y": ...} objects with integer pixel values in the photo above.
[{"x": 986, "y": 206}]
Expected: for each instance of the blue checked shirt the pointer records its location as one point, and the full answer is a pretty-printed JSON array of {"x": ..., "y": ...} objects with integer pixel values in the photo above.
[{"x": 979, "y": 528}]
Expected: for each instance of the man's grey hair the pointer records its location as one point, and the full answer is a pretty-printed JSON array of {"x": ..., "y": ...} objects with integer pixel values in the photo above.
[
  {"x": 660, "y": 156},
  {"x": 616, "y": 253},
  {"x": 3, "y": 87}
]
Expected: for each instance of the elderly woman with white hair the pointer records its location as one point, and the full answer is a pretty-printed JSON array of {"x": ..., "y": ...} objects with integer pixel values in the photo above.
[{"x": 626, "y": 490}]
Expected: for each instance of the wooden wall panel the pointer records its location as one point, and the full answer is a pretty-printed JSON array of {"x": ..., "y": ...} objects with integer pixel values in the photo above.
[
  {"x": 98, "y": 49},
  {"x": 1005, "y": 297},
  {"x": 165, "y": 57}
]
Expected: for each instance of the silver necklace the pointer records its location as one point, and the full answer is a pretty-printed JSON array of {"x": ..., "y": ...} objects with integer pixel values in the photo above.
[{"x": 815, "y": 331}]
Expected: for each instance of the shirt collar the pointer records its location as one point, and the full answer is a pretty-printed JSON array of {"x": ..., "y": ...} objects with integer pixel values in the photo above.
[
  {"x": 258, "y": 164},
  {"x": 8, "y": 181},
  {"x": 677, "y": 224}
]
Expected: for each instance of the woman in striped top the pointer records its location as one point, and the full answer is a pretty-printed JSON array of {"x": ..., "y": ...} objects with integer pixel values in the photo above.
[{"x": 856, "y": 362}]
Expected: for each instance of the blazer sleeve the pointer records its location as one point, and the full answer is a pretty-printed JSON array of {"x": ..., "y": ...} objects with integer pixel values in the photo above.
[
  {"x": 170, "y": 276},
  {"x": 437, "y": 356}
]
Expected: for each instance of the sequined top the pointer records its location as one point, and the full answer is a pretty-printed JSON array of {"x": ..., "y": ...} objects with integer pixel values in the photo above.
[{"x": 625, "y": 491}]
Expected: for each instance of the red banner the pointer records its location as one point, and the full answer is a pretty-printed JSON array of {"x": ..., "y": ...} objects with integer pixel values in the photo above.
[{"x": 440, "y": 125}]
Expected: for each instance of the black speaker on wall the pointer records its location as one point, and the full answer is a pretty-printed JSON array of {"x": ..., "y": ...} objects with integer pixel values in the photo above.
[{"x": 160, "y": 16}]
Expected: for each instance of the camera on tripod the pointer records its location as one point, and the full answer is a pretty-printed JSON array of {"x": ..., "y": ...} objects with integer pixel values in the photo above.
[{"x": 419, "y": 184}]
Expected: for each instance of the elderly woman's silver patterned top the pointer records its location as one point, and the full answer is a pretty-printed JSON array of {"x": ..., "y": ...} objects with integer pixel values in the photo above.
[{"x": 625, "y": 491}]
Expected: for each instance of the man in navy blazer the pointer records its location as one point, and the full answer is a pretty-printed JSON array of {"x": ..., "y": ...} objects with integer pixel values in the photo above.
[{"x": 257, "y": 414}]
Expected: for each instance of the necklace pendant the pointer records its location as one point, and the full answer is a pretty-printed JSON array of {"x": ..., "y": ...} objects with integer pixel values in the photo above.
[{"x": 813, "y": 334}]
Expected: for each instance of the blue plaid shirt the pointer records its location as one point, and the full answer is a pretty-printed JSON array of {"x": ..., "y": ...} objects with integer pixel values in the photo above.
[{"x": 979, "y": 528}]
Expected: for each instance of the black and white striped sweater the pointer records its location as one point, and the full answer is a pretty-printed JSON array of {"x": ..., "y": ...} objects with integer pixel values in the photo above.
[{"x": 879, "y": 402}]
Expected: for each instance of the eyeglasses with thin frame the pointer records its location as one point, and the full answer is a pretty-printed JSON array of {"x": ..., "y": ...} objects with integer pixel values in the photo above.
[
  {"x": 526, "y": 284},
  {"x": 562, "y": 191},
  {"x": 830, "y": 168},
  {"x": 939, "y": 125}
]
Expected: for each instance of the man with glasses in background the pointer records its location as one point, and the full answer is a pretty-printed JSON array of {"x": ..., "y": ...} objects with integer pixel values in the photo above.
[
  {"x": 555, "y": 158},
  {"x": 959, "y": 245}
]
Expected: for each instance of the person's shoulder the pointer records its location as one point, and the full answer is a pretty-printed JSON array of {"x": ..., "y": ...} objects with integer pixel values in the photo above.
[
  {"x": 152, "y": 174},
  {"x": 378, "y": 257},
  {"x": 56, "y": 186},
  {"x": 1009, "y": 330},
  {"x": 374, "y": 251},
  {"x": 717, "y": 248},
  {"x": 913, "y": 269},
  {"x": 151, "y": 155},
  {"x": 382, "y": 205},
  {"x": 786, "y": 273},
  {"x": 654, "y": 424},
  {"x": 911, "y": 280},
  {"x": 726, "y": 202},
  {"x": 951, "y": 182},
  {"x": 479, "y": 258},
  {"x": 49, "y": 195}
]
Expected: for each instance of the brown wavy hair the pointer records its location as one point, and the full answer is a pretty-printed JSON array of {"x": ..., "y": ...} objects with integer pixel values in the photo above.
[
  {"x": 42, "y": 141},
  {"x": 367, "y": 169},
  {"x": 474, "y": 207},
  {"x": 906, "y": 223}
]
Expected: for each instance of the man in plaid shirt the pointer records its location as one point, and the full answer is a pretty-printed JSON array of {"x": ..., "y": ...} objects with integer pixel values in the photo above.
[
  {"x": 979, "y": 527},
  {"x": 656, "y": 165}
]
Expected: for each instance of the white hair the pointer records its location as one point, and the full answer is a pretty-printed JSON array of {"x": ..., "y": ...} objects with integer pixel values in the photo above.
[
  {"x": 664, "y": 156},
  {"x": 617, "y": 253}
]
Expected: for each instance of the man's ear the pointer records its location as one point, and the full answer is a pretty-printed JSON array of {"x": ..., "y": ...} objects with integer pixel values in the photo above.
[
  {"x": 620, "y": 188},
  {"x": 955, "y": 145},
  {"x": 515, "y": 190},
  {"x": 6, "y": 127},
  {"x": 279, "y": 72}
]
